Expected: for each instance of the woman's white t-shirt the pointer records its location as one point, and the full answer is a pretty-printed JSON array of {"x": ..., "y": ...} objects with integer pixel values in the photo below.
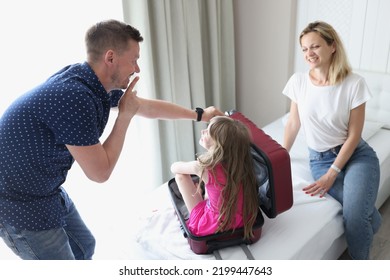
[{"x": 324, "y": 110}]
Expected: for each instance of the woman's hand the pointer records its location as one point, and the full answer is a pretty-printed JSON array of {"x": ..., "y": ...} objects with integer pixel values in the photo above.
[{"x": 322, "y": 185}]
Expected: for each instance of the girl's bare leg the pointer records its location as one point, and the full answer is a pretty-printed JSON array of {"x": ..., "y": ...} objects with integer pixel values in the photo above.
[{"x": 188, "y": 190}]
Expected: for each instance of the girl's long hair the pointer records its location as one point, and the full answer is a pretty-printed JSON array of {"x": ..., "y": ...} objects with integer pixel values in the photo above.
[
  {"x": 231, "y": 149},
  {"x": 339, "y": 66}
]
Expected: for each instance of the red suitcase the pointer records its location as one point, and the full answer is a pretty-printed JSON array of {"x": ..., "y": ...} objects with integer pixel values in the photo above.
[{"x": 273, "y": 171}]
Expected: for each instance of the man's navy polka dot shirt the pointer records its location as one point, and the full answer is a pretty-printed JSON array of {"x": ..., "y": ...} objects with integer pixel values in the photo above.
[{"x": 71, "y": 107}]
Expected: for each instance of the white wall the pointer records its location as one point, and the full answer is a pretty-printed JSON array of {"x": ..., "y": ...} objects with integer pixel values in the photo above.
[
  {"x": 265, "y": 39},
  {"x": 363, "y": 25}
]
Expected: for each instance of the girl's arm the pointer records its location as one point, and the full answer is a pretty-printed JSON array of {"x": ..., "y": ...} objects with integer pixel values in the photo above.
[
  {"x": 189, "y": 168},
  {"x": 186, "y": 167}
]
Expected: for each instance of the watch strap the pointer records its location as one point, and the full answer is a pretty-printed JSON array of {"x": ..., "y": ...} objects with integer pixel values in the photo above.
[{"x": 199, "y": 111}]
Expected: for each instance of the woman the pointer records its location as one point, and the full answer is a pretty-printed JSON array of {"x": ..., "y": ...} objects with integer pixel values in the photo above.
[
  {"x": 328, "y": 102},
  {"x": 228, "y": 173}
]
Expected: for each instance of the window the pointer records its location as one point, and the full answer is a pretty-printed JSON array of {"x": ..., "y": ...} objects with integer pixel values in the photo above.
[
  {"x": 34, "y": 46},
  {"x": 40, "y": 37}
]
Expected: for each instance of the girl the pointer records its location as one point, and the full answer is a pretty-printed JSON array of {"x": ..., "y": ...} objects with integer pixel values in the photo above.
[{"x": 227, "y": 172}]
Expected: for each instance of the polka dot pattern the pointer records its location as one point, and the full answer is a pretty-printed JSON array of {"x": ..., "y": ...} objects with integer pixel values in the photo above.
[{"x": 71, "y": 107}]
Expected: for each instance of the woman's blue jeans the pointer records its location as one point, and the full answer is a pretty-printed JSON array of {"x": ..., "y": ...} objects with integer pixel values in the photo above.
[
  {"x": 356, "y": 188},
  {"x": 73, "y": 241}
]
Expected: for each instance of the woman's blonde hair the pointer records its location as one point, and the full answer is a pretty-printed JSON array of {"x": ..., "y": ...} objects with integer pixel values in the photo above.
[
  {"x": 231, "y": 149},
  {"x": 339, "y": 66}
]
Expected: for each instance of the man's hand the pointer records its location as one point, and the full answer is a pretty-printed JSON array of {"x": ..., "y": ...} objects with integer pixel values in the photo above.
[
  {"x": 129, "y": 102},
  {"x": 211, "y": 112}
]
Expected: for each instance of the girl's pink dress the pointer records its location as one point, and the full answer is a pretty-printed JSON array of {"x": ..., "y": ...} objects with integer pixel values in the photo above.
[{"x": 203, "y": 218}]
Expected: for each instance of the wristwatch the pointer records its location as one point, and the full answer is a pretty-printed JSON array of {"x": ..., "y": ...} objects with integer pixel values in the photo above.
[{"x": 199, "y": 111}]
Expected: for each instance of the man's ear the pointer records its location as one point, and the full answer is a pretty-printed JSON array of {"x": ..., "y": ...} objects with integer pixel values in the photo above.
[{"x": 109, "y": 57}]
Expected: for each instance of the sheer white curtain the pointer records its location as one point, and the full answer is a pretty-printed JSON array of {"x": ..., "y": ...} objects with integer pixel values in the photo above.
[{"x": 187, "y": 58}]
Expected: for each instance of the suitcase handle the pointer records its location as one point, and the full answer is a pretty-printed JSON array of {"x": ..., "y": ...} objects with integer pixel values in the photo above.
[{"x": 219, "y": 244}]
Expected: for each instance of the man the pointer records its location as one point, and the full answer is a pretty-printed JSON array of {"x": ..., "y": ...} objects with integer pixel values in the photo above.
[{"x": 45, "y": 130}]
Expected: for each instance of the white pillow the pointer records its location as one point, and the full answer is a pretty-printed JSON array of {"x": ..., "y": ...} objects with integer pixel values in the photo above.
[
  {"x": 378, "y": 108},
  {"x": 371, "y": 128}
]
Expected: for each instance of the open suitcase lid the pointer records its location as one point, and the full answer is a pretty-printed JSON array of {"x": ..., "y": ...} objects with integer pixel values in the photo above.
[{"x": 276, "y": 192}]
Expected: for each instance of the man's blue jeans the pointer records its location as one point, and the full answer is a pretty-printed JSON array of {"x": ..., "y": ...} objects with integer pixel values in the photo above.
[
  {"x": 356, "y": 188},
  {"x": 73, "y": 241}
]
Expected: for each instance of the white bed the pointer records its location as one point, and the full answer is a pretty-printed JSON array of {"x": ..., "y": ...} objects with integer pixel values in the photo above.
[{"x": 311, "y": 229}]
